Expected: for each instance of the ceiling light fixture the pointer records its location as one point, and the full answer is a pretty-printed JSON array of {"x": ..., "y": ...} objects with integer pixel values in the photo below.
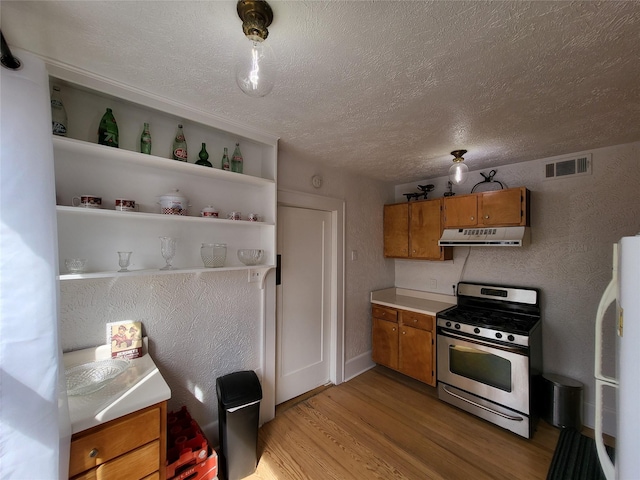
[
  {"x": 458, "y": 171},
  {"x": 255, "y": 61}
]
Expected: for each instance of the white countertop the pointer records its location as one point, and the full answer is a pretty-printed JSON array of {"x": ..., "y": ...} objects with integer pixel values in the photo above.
[
  {"x": 413, "y": 300},
  {"x": 140, "y": 386}
]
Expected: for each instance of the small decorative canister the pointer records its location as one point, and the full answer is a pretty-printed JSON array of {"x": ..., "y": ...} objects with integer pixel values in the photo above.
[
  {"x": 209, "y": 211},
  {"x": 213, "y": 254},
  {"x": 173, "y": 203}
]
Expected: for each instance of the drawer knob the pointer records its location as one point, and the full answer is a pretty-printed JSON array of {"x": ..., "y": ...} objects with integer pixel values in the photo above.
[
  {"x": 93, "y": 453},
  {"x": 404, "y": 332},
  {"x": 415, "y": 320},
  {"x": 473, "y": 218},
  {"x": 393, "y": 329},
  {"x": 486, "y": 216}
]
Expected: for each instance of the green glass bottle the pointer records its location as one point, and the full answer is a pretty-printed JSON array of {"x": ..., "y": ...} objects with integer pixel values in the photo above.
[
  {"x": 108, "y": 130},
  {"x": 204, "y": 157},
  {"x": 236, "y": 160},
  {"x": 226, "y": 165},
  {"x": 145, "y": 140}
]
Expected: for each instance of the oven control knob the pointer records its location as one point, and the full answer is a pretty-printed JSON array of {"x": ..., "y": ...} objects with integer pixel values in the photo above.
[
  {"x": 448, "y": 324},
  {"x": 476, "y": 330},
  {"x": 457, "y": 325},
  {"x": 498, "y": 335},
  {"x": 511, "y": 338}
]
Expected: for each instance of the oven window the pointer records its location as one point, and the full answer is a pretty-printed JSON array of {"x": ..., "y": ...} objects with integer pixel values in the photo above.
[{"x": 483, "y": 367}]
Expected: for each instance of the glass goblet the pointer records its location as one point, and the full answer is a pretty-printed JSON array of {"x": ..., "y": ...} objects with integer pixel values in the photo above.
[
  {"x": 123, "y": 261},
  {"x": 168, "y": 250}
]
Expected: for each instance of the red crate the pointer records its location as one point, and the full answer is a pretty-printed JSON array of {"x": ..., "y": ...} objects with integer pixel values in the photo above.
[
  {"x": 207, "y": 470},
  {"x": 187, "y": 448}
]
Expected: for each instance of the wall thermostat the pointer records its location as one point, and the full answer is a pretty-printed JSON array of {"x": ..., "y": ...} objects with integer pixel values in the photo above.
[{"x": 316, "y": 181}]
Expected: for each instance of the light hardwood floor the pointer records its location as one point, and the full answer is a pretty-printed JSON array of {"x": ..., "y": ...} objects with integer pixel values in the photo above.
[{"x": 384, "y": 425}]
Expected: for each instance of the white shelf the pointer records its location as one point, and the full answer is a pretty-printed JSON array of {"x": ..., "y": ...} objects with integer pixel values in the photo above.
[
  {"x": 157, "y": 271},
  {"x": 98, "y": 212},
  {"x": 102, "y": 154}
]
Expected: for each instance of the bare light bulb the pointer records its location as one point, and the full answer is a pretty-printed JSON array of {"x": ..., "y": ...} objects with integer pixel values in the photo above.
[
  {"x": 255, "y": 67},
  {"x": 458, "y": 171}
]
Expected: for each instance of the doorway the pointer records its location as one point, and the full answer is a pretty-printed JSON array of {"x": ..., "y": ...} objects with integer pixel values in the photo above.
[{"x": 309, "y": 299}]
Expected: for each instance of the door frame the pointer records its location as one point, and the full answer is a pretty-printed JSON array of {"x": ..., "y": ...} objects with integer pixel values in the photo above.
[{"x": 336, "y": 207}]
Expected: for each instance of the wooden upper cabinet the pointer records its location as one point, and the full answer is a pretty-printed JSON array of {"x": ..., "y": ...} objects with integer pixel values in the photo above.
[
  {"x": 503, "y": 207},
  {"x": 412, "y": 230},
  {"x": 500, "y": 208},
  {"x": 396, "y": 230},
  {"x": 425, "y": 229},
  {"x": 461, "y": 211}
]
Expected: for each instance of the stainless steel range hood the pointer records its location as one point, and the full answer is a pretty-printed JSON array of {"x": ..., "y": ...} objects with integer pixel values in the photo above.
[{"x": 485, "y": 237}]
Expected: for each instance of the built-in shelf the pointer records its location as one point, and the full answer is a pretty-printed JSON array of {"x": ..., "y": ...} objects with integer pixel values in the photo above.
[
  {"x": 156, "y": 216},
  {"x": 92, "y": 152},
  {"x": 82, "y": 166},
  {"x": 135, "y": 273}
]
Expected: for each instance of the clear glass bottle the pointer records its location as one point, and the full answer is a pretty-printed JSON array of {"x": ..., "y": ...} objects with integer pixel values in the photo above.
[
  {"x": 108, "y": 130},
  {"x": 145, "y": 140},
  {"x": 225, "y": 164},
  {"x": 203, "y": 157},
  {"x": 236, "y": 160},
  {"x": 180, "y": 145},
  {"x": 58, "y": 113}
]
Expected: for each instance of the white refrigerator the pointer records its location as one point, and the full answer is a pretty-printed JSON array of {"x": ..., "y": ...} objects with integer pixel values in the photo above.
[{"x": 624, "y": 289}]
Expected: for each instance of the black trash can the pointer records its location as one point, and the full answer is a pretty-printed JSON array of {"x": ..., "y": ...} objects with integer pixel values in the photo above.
[
  {"x": 239, "y": 396},
  {"x": 563, "y": 401}
]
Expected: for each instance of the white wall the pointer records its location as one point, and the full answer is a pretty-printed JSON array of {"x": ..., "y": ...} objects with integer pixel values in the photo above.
[
  {"x": 364, "y": 199},
  {"x": 574, "y": 222}
]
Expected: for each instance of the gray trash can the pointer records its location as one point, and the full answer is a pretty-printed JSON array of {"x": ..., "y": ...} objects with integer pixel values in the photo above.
[
  {"x": 239, "y": 396},
  {"x": 563, "y": 401}
]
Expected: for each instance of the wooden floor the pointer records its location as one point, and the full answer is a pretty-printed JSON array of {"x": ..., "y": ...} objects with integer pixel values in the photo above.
[{"x": 384, "y": 425}]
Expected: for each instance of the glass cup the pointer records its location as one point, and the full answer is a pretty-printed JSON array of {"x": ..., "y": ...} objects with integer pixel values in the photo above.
[
  {"x": 123, "y": 261},
  {"x": 213, "y": 254}
]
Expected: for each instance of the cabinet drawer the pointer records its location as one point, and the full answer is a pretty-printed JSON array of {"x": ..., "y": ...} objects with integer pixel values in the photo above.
[
  {"x": 384, "y": 313},
  {"x": 417, "y": 320},
  {"x": 103, "y": 443}
]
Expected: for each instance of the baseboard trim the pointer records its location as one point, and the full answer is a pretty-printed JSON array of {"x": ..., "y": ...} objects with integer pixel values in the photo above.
[{"x": 358, "y": 365}]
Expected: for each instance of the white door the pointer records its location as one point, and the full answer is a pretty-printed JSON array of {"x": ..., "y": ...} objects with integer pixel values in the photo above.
[{"x": 303, "y": 331}]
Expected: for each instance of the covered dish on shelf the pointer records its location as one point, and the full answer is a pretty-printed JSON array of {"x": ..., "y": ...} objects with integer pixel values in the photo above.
[{"x": 173, "y": 203}]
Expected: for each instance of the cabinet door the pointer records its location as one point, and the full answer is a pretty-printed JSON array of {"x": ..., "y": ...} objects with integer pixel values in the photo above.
[
  {"x": 396, "y": 230},
  {"x": 502, "y": 207},
  {"x": 425, "y": 229},
  {"x": 461, "y": 211},
  {"x": 416, "y": 354},
  {"x": 385, "y": 343}
]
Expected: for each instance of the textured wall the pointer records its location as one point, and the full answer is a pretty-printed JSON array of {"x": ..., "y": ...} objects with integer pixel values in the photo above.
[
  {"x": 200, "y": 326},
  {"x": 364, "y": 199},
  {"x": 574, "y": 222}
]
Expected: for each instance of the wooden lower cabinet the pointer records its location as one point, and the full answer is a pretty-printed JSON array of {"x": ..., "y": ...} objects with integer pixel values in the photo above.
[
  {"x": 404, "y": 341},
  {"x": 130, "y": 447}
]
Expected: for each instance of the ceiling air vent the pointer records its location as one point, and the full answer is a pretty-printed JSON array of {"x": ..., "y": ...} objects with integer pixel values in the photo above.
[{"x": 571, "y": 167}]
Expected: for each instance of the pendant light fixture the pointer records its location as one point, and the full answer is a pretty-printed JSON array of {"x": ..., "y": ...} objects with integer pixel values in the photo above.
[
  {"x": 458, "y": 171},
  {"x": 255, "y": 61}
]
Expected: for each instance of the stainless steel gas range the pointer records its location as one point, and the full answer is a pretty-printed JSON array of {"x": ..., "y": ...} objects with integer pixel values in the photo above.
[{"x": 490, "y": 354}]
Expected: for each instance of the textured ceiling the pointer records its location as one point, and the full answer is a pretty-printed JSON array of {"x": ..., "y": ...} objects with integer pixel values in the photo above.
[{"x": 384, "y": 88}]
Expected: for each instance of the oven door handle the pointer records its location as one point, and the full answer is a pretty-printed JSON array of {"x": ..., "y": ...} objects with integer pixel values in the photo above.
[
  {"x": 516, "y": 350},
  {"x": 475, "y": 404}
]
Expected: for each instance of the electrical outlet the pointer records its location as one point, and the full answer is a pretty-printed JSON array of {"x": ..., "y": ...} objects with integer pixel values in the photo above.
[
  {"x": 255, "y": 275},
  {"x": 433, "y": 284}
]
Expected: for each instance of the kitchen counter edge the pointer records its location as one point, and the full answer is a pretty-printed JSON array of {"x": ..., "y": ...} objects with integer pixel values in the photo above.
[{"x": 413, "y": 300}]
